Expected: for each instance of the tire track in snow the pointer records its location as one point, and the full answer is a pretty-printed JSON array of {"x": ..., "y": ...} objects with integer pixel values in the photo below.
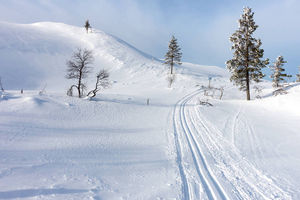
[{"x": 208, "y": 181}]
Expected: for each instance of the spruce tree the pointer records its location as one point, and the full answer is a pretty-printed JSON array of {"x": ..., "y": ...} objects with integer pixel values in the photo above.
[
  {"x": 1, "y": 86},
  {"x": 87, "y": 26},
  {"x": 247, "y": 62},
  {"x": 173, "y": 56},
  {"x": 298, "y": 76},
  {"x": 278, "y": 75}
]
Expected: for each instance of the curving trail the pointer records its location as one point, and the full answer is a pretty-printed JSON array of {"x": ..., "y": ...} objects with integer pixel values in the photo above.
[
  {"x": 211, "y": 167},
  {"x": 204, "y": 185}
]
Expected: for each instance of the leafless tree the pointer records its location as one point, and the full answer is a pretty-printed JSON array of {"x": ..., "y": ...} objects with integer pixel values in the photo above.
[
  {"x": 43, "y": 90},
  {"x": 78, "y": 68},
  {"x": 171, "y": 79},
  {"x": 101, "y": 82}
]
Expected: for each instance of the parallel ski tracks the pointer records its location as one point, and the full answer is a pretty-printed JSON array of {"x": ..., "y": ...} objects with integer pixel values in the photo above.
[
  {"x": 194, "y": 136},
  {"x": 208, "y": 182}
]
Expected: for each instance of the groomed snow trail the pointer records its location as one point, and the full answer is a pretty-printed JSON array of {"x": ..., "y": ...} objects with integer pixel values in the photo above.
[
  {"x": 210, "y": 166},
  {"x": 204, "y": 185}
]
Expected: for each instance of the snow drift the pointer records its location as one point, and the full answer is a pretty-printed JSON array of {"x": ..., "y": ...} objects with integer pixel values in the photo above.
[{"x": 118, "y": 147}]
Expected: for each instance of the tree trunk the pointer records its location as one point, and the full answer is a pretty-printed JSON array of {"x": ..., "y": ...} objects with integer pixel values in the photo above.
[
  {"x": 247, "y": 85},
  {"x": 247, "y": 67},
  {"x": 172, "y": 63},
  {"x": 79, "y": 83}
]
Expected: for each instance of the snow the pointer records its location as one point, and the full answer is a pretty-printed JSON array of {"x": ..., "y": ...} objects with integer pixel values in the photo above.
[{"x": 115, "y": 146}]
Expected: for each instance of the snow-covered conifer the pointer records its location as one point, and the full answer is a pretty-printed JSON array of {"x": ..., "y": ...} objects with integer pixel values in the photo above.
[
  {"x": 278, "y": 75},
  {"x": 173, "y": 56},
  {"x": 298, "y": 76},
  {"x": 1, "y": 86},
  {"x": 247, "y": 62}
]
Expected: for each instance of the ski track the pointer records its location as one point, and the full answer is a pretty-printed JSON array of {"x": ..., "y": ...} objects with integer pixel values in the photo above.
[
  {"x": 250, "y": 181},
  {"x": 234, "y": 125},
  {"x": 208, "y": 181},
  {"x": 192, "y": 134}
]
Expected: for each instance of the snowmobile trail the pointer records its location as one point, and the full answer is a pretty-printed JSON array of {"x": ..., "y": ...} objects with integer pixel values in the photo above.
[{"x": 204, "y": 185}]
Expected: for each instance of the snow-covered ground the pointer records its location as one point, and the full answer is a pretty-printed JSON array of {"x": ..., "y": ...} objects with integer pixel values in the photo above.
[{"x": 116, "y": 146}]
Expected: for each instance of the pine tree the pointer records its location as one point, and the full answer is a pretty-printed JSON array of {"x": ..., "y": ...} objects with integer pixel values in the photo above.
[
  {"x": 247, "y": 63},
  {"x": 87, "y": 26},
  {"x": 278, "y": 75},
  {"x": 173, "y": 56},
  {"x": 1, "y": 86},
  {"x": 298, "y": 76}
]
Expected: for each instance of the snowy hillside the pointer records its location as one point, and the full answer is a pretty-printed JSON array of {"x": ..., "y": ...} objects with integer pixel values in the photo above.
[
  {"x": 118, "y": 147},
  {"x": 36, "y": 54}
]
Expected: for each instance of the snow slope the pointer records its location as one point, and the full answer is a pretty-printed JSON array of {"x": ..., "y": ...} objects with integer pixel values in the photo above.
[
  {"x": 117, "y": 147},
  {"x": 35, "y": 54},
  {"x": 238, "y": 149}
]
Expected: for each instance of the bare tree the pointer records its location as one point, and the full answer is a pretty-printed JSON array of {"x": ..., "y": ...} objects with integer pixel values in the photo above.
[
  {"x": 78, "y": 68},
  {"x": 171, "y": 79},
  {"x": 101, "y": 82}
]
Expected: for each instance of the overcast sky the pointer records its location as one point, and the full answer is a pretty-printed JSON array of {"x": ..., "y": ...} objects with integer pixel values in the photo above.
[{"x": 201, "y": 26}]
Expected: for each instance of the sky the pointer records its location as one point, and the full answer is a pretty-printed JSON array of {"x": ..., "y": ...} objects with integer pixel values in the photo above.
[{"x": 202, "y": 27}]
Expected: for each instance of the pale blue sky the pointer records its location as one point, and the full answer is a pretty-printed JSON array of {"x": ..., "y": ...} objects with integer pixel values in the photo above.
[{"x": 201, "y": 26}]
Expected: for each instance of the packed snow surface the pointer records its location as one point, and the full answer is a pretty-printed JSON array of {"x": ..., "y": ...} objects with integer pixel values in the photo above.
[{"x": 115, "y": 146}]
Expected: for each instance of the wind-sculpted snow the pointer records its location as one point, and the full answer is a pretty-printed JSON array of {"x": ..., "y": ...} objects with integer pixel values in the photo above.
[
  {"x": 35, "y": 54},
  {"x": 137, "y": 139},
  {"x": 212, "y": 167}
]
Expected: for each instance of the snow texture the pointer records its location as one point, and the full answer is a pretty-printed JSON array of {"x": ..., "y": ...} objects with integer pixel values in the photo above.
[{"x": 118, "y": 147}]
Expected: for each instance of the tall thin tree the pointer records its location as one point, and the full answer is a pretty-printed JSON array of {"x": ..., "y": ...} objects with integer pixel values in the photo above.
[
  {"x": 173, "y": 56},
  {"x": 78, "y": 68},
  {"x": 278, "y": 75},
  {"x": 247, "y": 62},
  {"x": 1, "y": 86},
  {"x": 87, "y": 26},
  {"x": 298, "y": 76}
]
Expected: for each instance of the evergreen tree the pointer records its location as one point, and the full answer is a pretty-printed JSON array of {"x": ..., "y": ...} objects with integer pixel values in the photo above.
[
  {"x": 247, "y": 63},
  {"x": 87, "y": 26},
  {"x": 298, "y": 76},
  {"x": 173, "y": 56},
  {"x": 1, "y": 86},
  {"x": 278, "y": 75}
]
